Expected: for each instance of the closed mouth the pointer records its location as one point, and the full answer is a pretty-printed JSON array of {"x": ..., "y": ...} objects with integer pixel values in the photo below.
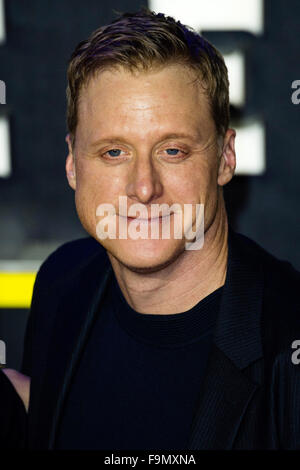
[{"x": 140, "y": 219}]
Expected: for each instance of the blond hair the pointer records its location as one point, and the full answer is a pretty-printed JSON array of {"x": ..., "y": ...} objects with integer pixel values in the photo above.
[{"x": 144, "y": 40}]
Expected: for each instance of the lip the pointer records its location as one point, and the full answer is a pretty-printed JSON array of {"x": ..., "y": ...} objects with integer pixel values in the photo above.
[{"x": 138, "y": 219}]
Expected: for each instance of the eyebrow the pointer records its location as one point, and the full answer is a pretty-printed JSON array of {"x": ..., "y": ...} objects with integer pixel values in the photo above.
[{"x": 118, "y": 139}]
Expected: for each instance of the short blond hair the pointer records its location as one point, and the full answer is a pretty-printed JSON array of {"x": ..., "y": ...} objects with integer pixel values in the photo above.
[{"x": 145, "y": 40}]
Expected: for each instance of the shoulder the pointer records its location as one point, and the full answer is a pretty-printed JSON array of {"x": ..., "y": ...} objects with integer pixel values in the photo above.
[
  {"x": 67, "y": 261},
  {"x": 59, "y": 274},
  {"x": 65, "y": 271},
  {"x": 277, "y": 272},
  {"x": 280, "y": 316}
]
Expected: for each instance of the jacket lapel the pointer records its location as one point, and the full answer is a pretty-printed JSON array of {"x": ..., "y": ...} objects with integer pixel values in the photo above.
[
  {"x": 74, "y": 319},
  {"x": 226, "y": 390},
  {"x": 225, "y": 396}
]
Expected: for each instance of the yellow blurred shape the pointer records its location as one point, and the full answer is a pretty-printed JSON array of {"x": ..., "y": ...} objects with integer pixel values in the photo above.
[{"x": 16, "y": 289}]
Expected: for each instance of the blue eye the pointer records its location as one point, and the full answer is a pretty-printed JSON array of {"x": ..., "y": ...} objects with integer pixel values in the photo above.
[
  {"x": 114, "y": 152},
  {"x": 172, "y": 150}
]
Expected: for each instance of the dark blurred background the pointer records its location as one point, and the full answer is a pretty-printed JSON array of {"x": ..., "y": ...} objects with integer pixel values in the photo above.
[{"x": 37, "y": 211}]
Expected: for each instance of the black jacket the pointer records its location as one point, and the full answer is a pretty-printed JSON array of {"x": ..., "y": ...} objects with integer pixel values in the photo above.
[{"x": 250, "y": 397}]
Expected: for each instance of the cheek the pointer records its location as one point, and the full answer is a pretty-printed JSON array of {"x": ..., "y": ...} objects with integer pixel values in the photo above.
[
  {"x": 191, "y": 185},
  {"x": 94, "y": 186}
]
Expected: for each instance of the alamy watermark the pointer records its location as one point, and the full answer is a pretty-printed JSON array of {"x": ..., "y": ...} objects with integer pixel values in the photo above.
[
  {"x": 2, "y": 92},
  {"x": 135, "y": 222},
  {"x": 295, "y": 97},
  {"x": 296, "y": 354},
  {"x": 2, "y": 353}
]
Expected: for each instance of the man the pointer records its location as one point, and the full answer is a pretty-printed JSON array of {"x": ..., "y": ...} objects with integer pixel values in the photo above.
[{"x": 138, "y": 341}]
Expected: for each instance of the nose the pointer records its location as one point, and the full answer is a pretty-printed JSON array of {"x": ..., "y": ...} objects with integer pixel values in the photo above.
[{"x": 144, "y": 184}]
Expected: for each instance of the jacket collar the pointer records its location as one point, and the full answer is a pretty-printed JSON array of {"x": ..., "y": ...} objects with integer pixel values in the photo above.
[
  {"x": 226, "y": 391},
  {"x": 238, "y": 326}
]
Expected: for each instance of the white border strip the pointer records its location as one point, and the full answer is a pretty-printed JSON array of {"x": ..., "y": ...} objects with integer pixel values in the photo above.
[
  {"x": 5, "y": 160},
  {"x": 2, "y": 22},
  {"x": 250, "y": 148},
  {"x": 245, "y": 15}
]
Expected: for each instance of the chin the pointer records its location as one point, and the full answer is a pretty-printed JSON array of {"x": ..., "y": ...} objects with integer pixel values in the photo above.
[{"x": 145, "y": 256}]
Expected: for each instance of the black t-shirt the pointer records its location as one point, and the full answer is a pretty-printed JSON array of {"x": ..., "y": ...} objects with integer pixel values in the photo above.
[{"x": 137, "y": 384}]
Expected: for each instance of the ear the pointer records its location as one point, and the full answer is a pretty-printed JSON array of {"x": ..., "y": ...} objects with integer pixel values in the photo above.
[
  {"x": 227, "y": 162},
  {"x": 70, "y": 164}
]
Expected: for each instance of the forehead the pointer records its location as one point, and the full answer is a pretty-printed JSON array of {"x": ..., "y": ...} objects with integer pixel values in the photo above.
[{"x": 168, "y": 96}]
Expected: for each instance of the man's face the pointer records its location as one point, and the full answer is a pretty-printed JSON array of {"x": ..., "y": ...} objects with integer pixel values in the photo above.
[{"x": 148, "y": 137}]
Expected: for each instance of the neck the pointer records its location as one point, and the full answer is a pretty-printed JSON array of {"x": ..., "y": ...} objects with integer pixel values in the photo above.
[{"x": 181, "y": 285}]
